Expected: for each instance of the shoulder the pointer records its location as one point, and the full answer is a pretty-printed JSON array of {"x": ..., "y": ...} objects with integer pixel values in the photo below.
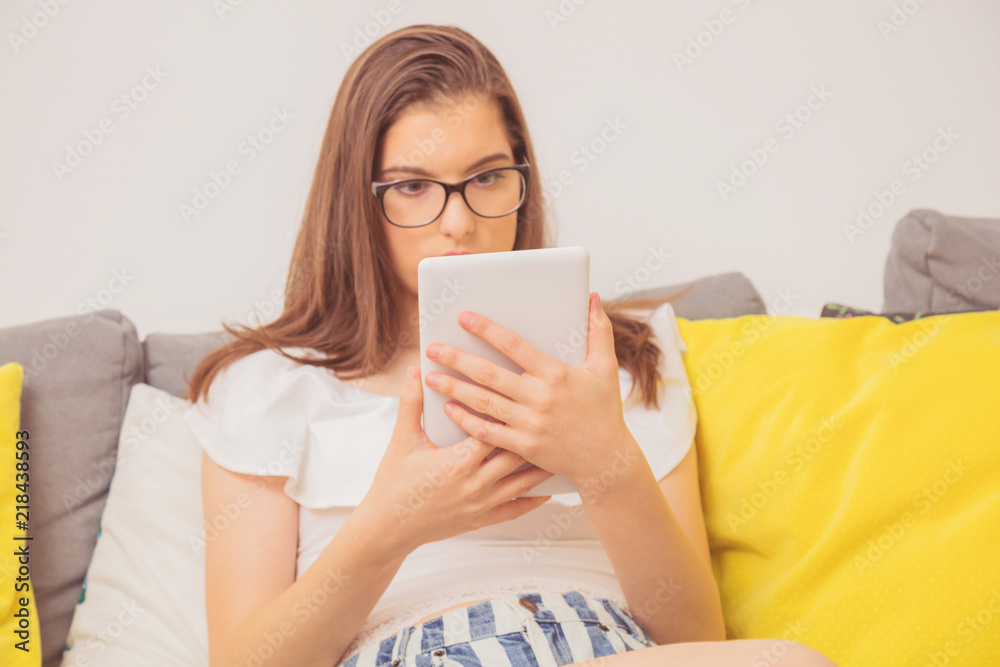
[
  {"x": 665, "y": 334},
  {"x": 257, "y": 376},
  {"x": 663, "y": 321}
]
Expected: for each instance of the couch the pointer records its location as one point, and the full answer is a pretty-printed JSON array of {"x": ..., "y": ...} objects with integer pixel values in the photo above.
[{"x": 82, "y": 375}]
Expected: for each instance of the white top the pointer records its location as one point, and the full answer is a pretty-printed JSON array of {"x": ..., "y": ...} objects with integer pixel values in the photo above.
[{"x": 271, "y": 416}]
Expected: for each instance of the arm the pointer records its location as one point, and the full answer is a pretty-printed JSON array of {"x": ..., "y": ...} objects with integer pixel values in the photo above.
[
  {"x": 569, "y": 420},
  {"x": 659, "y": 549},
  {"x": 253, "y": 601}
]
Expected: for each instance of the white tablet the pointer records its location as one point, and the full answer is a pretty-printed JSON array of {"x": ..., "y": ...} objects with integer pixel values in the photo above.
[{"x": 541, "y": 294}]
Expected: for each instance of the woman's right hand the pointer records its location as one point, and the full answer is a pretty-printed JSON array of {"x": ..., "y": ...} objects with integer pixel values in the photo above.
[{"x": 424, "y": 493}]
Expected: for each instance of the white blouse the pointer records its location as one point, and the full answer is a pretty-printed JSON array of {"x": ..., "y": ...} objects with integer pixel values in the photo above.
[{"x": 269, "y": 415}]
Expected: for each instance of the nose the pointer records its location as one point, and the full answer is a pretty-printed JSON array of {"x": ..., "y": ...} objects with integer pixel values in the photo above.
[{"x": 457, "y": 219}]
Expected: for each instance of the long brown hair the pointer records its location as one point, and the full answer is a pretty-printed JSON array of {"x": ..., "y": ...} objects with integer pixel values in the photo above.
[{"x": 341, "y": 290}]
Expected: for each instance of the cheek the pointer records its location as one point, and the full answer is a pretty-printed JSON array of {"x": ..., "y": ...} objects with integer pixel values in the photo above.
[
  {"x": 510, "y": 230},
  {"x": 397, "y": 240}
]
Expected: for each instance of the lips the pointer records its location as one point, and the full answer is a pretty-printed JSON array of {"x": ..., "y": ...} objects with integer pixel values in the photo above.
[{"x": 454, "y": 252}]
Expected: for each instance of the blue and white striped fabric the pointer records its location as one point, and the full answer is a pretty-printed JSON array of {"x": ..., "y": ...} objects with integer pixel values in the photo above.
[{"x": 518, "y": 630}]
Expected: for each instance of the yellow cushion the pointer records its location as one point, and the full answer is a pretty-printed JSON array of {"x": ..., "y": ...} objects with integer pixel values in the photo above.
[
  {"x": 850, "y": 474},
  {"x": 20, "y": 644}
]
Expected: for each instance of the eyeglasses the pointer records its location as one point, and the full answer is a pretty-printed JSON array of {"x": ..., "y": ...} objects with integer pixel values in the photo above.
[{"x": 415, "y": 202}]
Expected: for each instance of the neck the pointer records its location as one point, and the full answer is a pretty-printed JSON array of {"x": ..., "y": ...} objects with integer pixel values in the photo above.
[{"x": 409, "y": 324}]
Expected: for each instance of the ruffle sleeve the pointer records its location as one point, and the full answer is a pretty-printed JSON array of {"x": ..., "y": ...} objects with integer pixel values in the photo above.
[
  {"x": 667, "y": 433},
  {"x": 664, "y": 434},
  {"x": 268, "y": 415}
]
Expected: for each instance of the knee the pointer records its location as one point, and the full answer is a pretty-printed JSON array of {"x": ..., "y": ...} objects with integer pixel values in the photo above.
[{"x": 800, "y": 655}]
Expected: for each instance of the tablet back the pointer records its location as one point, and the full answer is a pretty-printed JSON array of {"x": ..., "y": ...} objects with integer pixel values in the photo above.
[{"x": 541, "y": 294}]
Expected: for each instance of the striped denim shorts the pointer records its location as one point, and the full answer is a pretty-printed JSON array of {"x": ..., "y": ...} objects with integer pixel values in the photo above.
[{"x": 517, "y": 630}]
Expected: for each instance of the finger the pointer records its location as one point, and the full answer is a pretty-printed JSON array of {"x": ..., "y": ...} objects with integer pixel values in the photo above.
[
  {"x": 510, "y": 344},
  {"x": 480, "y": 399},
  {"x": 479, "y": 370},
  {"x": 600, "y": 333},
  {"x": 517, "y": 484},
  {"x": 471, "y": 449},
  {"x": 496, "y": 433},
  {"x": 513, "y": 509},
  {"x": 411, "y": 403},
  {"x": 500, "y": 465}
]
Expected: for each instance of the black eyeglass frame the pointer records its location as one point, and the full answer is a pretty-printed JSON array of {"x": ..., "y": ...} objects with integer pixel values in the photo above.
[{"x": 379, "y": 189}]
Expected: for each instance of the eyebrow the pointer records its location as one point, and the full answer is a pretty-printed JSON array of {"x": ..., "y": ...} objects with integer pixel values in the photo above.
[{"x": 422, "y": 172}]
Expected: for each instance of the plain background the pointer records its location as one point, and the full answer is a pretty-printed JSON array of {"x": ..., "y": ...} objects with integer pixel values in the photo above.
[{"x": 109, "y": 233}]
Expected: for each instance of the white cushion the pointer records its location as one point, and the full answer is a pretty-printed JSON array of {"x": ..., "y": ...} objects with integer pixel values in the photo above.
[{"x": 143, "y": 600}]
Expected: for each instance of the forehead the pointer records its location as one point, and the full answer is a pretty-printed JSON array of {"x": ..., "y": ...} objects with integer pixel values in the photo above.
[{"x": 445, "y": 136}]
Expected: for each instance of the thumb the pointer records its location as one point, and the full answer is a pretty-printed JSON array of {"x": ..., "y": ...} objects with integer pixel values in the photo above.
[
  {"x": 600, "y": 334},
  {"x": 411, "y": 402}
]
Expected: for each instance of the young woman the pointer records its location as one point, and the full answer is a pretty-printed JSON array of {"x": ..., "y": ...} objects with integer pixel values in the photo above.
[{"x": 349, "y": 537}]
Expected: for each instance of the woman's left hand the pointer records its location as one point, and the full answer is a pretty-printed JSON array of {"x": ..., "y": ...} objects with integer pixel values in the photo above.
[{"x": 565, "y": 419}]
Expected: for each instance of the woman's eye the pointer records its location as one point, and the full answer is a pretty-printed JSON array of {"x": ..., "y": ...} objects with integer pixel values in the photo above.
[
  {"x": 411, "y": 188},
  {"x": 487, "y": 178}
]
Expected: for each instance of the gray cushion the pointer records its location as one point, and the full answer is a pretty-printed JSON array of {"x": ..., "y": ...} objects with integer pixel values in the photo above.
[
  {"x": 78, "y": 372},
  {"x": 711, "y": 297},
  {"x": 171, "y": 358},
  {"x": 943, "y": 264}
]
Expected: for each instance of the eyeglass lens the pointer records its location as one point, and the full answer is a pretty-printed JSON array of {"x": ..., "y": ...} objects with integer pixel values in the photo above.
[{"x": 491, "y": 194}]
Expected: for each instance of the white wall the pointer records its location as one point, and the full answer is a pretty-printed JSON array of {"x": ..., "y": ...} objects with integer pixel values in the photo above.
[{"x": 65, "y": 238}]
